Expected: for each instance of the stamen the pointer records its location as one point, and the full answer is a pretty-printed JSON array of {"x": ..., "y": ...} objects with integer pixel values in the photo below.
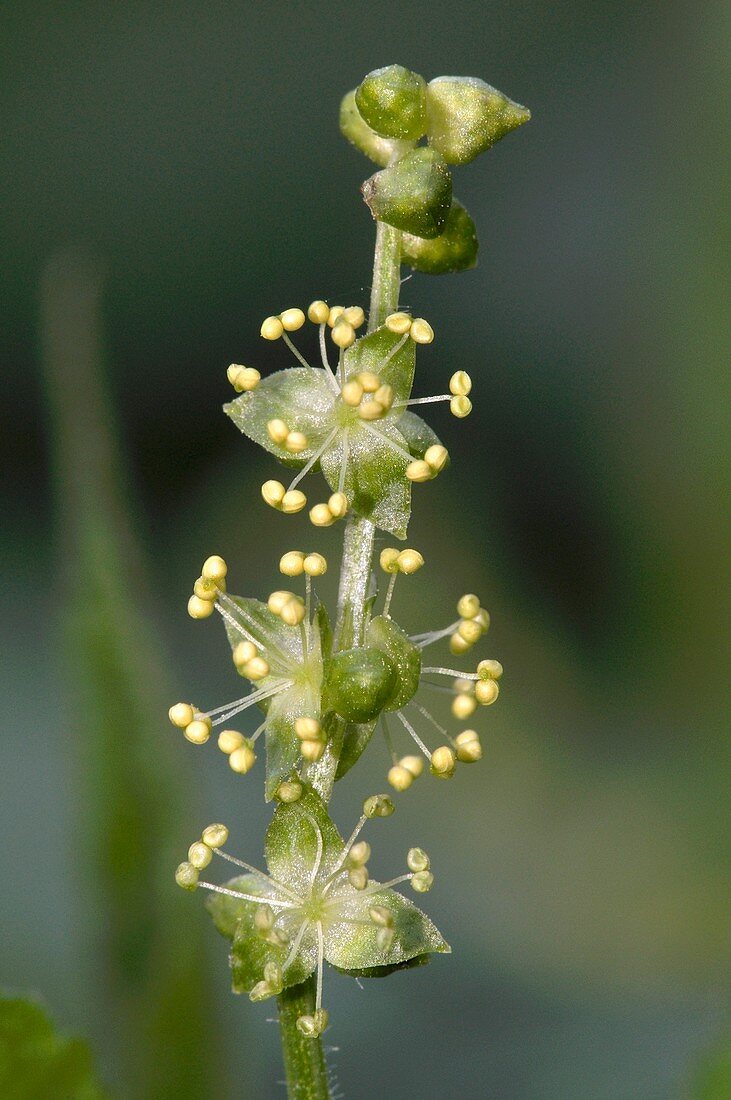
[
  {"x": 389, "y": 595},
  {"x": 320, "y": 960},
  {"x": 295, "y": 945},
  {"x": 407, "y": 725},
  {"x": 326, "y": 362},
  {"x": 425, "y": 713},
  {"x": 346, "y": 852},
  {"x": 316, "y": 456},
  {"x": 394, "y": 351},
  {"x": 260, "y": 874},
  {"x": 344, "y": 462},
  {"x": 388, "y": 739},
  {"x": 422, "y": 400},
  {"x": 294, "y": 351},
  {"x": 384, "y": 439},
  {"x": 421, "y": 641},
  {"x": 255, "y": 697},
  {"x": 246, "y": 897},
  {"x": 377, "y": 886},
  {"x": 263, "y": 641},
  {"x": 454, "y": 673}
]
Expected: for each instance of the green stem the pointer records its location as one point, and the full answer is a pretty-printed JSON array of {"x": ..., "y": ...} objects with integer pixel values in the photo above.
[{"x": 304, "y": 1059}]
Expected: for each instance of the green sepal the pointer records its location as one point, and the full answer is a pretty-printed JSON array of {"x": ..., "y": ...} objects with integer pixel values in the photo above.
[
  {"x": 355, "y": 739},
  {"x": 414, "y": 194},
  {"x": 385, "y": 635},
  {"x": 384, "y": 971},
  {"x": 453, "y": 250},
  {"x": 299, "y": 396},
  {"x": 392, "y": 101},
  {"x": 234, "y": 919},
  {"x": 417, "y": 434},
  {"x": 283, "y": 644},
  {"x": 375, "y": 482},
  {"x": 360, "y": 682},
  {"x": 291, "y": 842},
  {"x": 357, "y": 948},
  {"x": 370, "y": 352},
  {"x": 355, "y": 128},
  {"x": 466, "y": 116},
  {"x": 37, "y": 1062}
]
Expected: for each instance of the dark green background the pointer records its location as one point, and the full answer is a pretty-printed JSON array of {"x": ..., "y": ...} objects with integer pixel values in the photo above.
[{"x": 582, "y": 868}]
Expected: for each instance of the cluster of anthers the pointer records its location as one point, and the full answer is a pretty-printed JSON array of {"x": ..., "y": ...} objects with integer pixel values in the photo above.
[
  {"x": 318, "y": 904},
  {"x": 365, "y": 393}
]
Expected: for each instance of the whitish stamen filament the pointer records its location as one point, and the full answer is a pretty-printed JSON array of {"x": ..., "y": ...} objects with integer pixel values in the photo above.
[
  {"x": 295, "y": 945},
  {"x": 384, "y": 439},
  {"x": 389, "y": 595},
  {"x": 423, "y": 711},
  {"x": 344, "y": 462},
  {"x": 255, "y": 697},
  {"x": 247, "y": 897},
  {"x": 294, "y": 351},
  {"x": 320, "y": 846},
  {"x": 346, "y": 852},
  {"x": 454, "y": 673},
  {"x": 377, "y": 886},
  {"x": 259, "y": 874},
  {"x": 422, "y": 400},
  {"x": 316, "y": 456},
  {"x": 326, "y": 362},
  {"x": 274, "y": 653},
  {"x": 320, "y": 961},
  {"x": 394, "y": 351},
  {"x": 407, "y": 725},
  {"x": 421, "y": 641}
]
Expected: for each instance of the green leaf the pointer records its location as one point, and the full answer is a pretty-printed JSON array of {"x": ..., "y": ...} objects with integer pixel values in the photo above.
[
  {"x": 300, "y": 396},
  {"x": 376, "y": 352},
  {"x": 354, "y": 127},
  {"x": 36, "y": 1063},
  {"x": 393, "y": 102},
  {"x": 353, "y": 946},
  {"x": 403, "y": 655},
  {"x": 234, "y": 919},
  {"x": 417, "y": 434},
  {"x": 375, "y": 480},
  {"x": 291, "y": 843},
  {"x": 355, "y": 739},
  {"x": 414, "y": 194},
  {"x": 467, "y": 116},
  {"x": 455, "y": 249}
]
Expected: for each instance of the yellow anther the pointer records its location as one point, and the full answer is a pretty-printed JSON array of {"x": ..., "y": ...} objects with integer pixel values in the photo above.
[
  {"x": 187, "y": 876},
  {"x": 207, "y": 590},
  {"x": 308, "y": 729},
  {"x": 314, "y": 1025},
  {"x": 381, "y": 916},
  {"x": 389, "y": 559},
  {"x": 419, "y": 471},
  {"x": 338, "y": 505},
  {"x": 423, "y": 881},
  {"x": 489, "y": 670},
  {"x": 470, "y": 630},
  {"x": 421, "y": 331},
  {"x": 318, "y": 312},
  {"x": 469, "y": 749},
  {"x": 277, "y": 431},
  {"x": 369, "y": 381},
  {"x": 243, "y": 379},
  {"x": 295, "y": 443},
  {"x": 413, "y": 764},
  {"x": 463, "y": 686},
  {"x": 460, "y": 383},
  {"x": 417, "y": 860},
  {"x": 272, "y": 328},
  {"x": 311, "y": 751},
  {"x": 200, "y": 609},
  {"x": 460, "y": 406},
  {"x": 293, "y": 612},
  {"x": 468, "y": 605},
  {"x": 486, "y": 692},
  {"x": 255, "y": 669},
  {"x": 358, "y": 878},
  {"x": 293, "y": 501},
  {"x": 355, "y": 316},
  {"x": 464, "y": 706},
  {"x": 400, "y": 778},
  {"x": 181, "y": 715},
  {"x": 292, "y": 564},
  {"x": 359, "y": 854},
  {"x": 378, "y": 805},
  {"x": 243, "y": 653},
  {"x": 343, "y": 333},
  {"x": 200, "y": 855},
  {"x": 384, "y": 395},
  {"x": 352, "y": 392},
  {"x": 436, "y": 457},
  {"x": 214, "y": 568},
  {"x": 273, "y": 493},
  {"x": 278, "y": 599},
  {"x": 289, "y": 791},
  {"x": 371, "y": 410},
  {"x": 198, "y": 731},
  {"x": 321, "y": 515},
  {"x": 315, "y": 565},
  {"x": 242, "y": 760},
  {"x": 333, "y": 314},
  {"x": 215, "y": 836},
  {"x": 292, "y": 319},
  {"x": 400, "y": 323},
  {"x": 483, "y": 618},
  {"x": 409, "y": 561},
  {"x": 443, "y": 762},
  {"x": 230, "y": 740},
  {"x": 457, "y": 645}
]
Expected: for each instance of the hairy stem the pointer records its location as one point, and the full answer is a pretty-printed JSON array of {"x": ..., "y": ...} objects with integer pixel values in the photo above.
[{"x": 304, "y": 1059}]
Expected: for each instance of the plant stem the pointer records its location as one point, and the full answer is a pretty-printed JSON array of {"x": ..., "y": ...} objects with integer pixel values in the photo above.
[{"x": 304, "y": 1058}]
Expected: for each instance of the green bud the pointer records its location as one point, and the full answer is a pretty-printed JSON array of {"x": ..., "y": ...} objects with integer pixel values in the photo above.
[
  {"x": 354, "y": 127},
  {"x": 393, "y": 102},
  {"x": 414, "y": 194},
  {"x": 467, "y": 116},
  {"x": 453, "y": 250},
  {"x": 360, "y": 683}
]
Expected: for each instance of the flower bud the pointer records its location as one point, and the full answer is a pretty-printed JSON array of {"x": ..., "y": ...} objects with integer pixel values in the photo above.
[
  {"x": 361, "y": 682},
  {"x": 455, "y": 249},
  {"x": 466, "y": 116},
  {"x": 392, "y": 101},
  {"x": 357, "y": 131},
  {"x": 414, "y": 194}
]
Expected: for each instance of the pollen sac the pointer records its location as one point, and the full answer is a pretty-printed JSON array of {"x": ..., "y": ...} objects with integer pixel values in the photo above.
[
  {"x": 360, "y": 683},
  {"x": 466, "y": 116},
  {"x": 392, "y": 101},
  {"x": 413, "y": 195},
  {"x": 455, "y": 249}
]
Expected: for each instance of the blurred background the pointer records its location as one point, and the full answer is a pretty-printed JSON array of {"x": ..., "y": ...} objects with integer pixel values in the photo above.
[{"x": 172, "y": 173}]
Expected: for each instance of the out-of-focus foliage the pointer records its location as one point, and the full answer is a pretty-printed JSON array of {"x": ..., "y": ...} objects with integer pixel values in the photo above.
[{"x": 37, "y": 1063}]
